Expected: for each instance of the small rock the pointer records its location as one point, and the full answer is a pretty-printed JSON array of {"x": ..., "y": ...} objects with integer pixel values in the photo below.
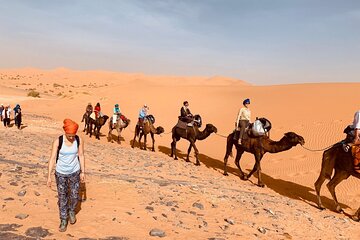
[
  {"x": 37, "y": 232},
  {"x": 164, "y": 215},
  {"x": 36, "y": 193},
  {"x": 21, "y": 216},
  {"x": 9, "y": 199},
  {"x": 157, "y": 233},
  {"x": 287, "y": 235},
  {"x": 262, "y": 230},
  {"x": 215, "y": 238},
  {"x": 22, "y": 193},
  {"x": 149, "y": 208},
  {"x": 198, "y": 205},
  {"x": 230, "y": 221}
]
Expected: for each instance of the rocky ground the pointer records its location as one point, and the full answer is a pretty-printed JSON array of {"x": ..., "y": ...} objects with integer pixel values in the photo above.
[{"x": 135, "y": 194}]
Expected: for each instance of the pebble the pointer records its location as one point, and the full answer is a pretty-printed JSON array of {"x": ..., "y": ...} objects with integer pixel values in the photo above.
[
  {"x": 198, "y": 205},
  {"x": 36, "y": 193},
  {"x": 157, "y": 233},
  {"x": 262, "y": 230},
  {"x": 21, "y": 216},
  {"x": 37, "y": 232},
  {"x": 230, "y": 221},
  {"x": 22, "y": 193}
]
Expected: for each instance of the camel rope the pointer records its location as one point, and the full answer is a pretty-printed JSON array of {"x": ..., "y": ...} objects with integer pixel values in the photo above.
[
  {"x": 220, "y": 135},
  {"x": 324, "y": 149}
]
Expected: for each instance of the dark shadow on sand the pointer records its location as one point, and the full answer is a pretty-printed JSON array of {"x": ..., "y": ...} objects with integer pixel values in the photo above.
[
  {"x": 298, "y": 192},
  {"x": 209, "y": 162}
]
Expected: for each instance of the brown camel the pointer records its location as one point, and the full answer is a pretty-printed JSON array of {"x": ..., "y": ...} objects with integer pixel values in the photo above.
[
  {"x": 336, "y": 159},
  {"x": 98, "y": 123},
  {"x": 86, "y": 118},
  {"x": 119, "y": 126},
  {"x": 258, "y": 147},
  {"x": 145, "y": 130},
  {"x": 191, "y": 134}
]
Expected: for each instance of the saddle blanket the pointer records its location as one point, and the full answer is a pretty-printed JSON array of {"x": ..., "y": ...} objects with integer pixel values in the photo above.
[{"x": 183, "y": 125}]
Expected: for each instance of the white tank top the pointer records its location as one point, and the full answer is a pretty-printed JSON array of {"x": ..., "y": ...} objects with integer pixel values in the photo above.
[{"x": 68, "y": 161}]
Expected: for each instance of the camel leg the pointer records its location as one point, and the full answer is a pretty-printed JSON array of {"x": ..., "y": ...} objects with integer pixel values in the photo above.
[
  {"x": 98, "y": 133},
  {"x": 319, "y": 182},
  {"x": 119, "y": 135},
  {"x": 257, "y": 168},
  {"x": 239, "y": 153},
  {"x": 188, "y": 153},
  {"x": 140, "y": 137},
  {"x": 339, "y": 176},
  {"x": 109, "y": 134},
  {"x": 145, "y": 138},
  {"x": 196, "y": 153},
  {"x": 135, "y": 134},
  {"x": 173, "y": 148},
  {"x": 153, "y": 142},
  {"x": 356, "y": 216},
  {"x": 229, "y": 146}
]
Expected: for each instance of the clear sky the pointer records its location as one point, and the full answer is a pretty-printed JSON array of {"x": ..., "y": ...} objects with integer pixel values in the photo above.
[{"x": 260, "y": 41}]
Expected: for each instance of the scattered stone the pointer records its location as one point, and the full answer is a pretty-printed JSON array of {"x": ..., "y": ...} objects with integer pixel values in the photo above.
[
  {"x": 262, "y": 230},
  {"x": 22, "y": 193},
  {"x": 22, "y": 216},
  {"x": 9, "y": 199},
  {"x": 37, "y": 232},
  {"x": 149, "y": 208},
  {"x": 164, "y": 215},
  {"x": 287, "y": 235},
  {"x": 36, "y": 193},
  {"x": 9, "y": 227},
  {"x": 198, "y": 205},
  {"x": 215, "y": 238},
  {"x": 269, "y": 211},
  {"x": 14, "y": 184},
  {"x": 224, "y": 227},
  {"x": 230, "y": 221},
  {"x": 157, "y": 233},
  {"x": 114, "y": 238},
  {"x": 9, "y": 235}
]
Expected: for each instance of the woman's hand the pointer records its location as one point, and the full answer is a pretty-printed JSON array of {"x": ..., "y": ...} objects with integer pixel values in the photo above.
[
  {"x": 82, "y": 177},
  {"x": 49, "y": 182}
]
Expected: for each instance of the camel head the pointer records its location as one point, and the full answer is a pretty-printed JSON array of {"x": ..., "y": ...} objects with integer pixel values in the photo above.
[
  {"x": 294, "y": 138},
  {"x": 159, "y": 130},
  {"x": 211, "y": 128}
]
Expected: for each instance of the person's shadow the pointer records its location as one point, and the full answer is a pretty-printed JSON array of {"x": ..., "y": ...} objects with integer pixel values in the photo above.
[{"x": 298, "y": 192}]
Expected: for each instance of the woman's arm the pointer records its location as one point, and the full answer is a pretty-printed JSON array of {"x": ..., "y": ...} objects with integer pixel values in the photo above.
[
  {"x": 82, "y": 160},
  {"x": 52, "y": 160}
]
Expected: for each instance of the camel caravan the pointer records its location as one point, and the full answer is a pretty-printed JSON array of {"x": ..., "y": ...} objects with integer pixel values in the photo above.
[{"x": 342, "y": 158}]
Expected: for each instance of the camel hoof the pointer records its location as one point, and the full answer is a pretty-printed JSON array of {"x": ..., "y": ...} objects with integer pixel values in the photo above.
[
  {"x": 176, "y": 158},
  {"x": 339, "y": 209},
  {"x": 355, "y": 218},
  {"x": 187, "y": 160},
  {"x": 225, "y": 174},
  {"x": 153, "y": 150},
  {"x": 243, "y": 177},
  {"x": 321, "y": 207},
  {"x": 261, "y": 185},
  {"x": 197, "y": 164}
]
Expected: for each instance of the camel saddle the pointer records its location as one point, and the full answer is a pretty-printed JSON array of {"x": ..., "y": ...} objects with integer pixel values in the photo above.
[
  {"x": 93, "y": 116},
  {"x": 355, "y": 150}
]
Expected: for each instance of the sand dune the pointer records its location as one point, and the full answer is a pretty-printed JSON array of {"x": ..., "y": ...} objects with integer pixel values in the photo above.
[{"x": 318, "y": 112}]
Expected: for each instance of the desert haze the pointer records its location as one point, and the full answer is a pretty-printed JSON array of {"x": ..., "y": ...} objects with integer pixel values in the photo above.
[{"x": 129, "y": 191}]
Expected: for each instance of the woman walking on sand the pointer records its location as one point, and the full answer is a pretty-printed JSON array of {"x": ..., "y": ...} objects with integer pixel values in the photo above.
[{"x": 68, "y": 154}]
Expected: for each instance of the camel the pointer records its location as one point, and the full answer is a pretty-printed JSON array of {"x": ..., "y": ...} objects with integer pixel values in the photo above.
[
  {"x": 119, "y": 126},
  {"x": 147, "y": 128},
  {"x": 258, "y": 147},
  {"x": 98, "y": 123},
  {"x": 336, "y": 159},
  {"x": 191, "y": 134},
  {"x": 86, "y": 118}
]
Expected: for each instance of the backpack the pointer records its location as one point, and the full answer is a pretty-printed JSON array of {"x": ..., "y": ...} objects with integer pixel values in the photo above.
[{"x": 60, "y": 144}]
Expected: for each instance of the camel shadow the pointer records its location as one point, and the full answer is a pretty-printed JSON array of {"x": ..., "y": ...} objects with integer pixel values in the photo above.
[
  {"x": 115, "y": 138},
  {"x": 298, "y": 192},
  {"x": 209, "y": 162}
]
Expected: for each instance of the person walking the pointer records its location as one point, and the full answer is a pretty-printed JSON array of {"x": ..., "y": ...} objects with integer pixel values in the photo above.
[
  {"x": 68, "y": 154},
  {"x": 6, "y": 116}
]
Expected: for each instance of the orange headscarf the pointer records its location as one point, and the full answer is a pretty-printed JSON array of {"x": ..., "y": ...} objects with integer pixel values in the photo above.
[{"x": 70, "y": 127}]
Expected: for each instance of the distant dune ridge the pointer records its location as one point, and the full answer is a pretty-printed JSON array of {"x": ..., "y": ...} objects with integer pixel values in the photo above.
[{"x": 318, "y": 112}]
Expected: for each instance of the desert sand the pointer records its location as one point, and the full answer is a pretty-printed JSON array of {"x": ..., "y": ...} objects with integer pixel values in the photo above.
[{"x": 129, "y": 191}]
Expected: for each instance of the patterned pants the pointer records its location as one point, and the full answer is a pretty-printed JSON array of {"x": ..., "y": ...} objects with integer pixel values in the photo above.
[{"x": 68, "y": 192}]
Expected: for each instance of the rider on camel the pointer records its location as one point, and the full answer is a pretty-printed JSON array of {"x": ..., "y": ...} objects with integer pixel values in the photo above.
[
  {"x": 142, "y": 115},
  {"x": 116, "y": 114},
  {"x": 356, "y": 141},
  {"x": 185, "y": 114},
  {"x": 97, "y": 110},
  {"x": 89, "y": 109},
  {"x": 242, "y": 120}
]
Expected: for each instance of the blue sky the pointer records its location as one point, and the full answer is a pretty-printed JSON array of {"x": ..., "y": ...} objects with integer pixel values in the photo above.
[{"x": 260, "y": 41}]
